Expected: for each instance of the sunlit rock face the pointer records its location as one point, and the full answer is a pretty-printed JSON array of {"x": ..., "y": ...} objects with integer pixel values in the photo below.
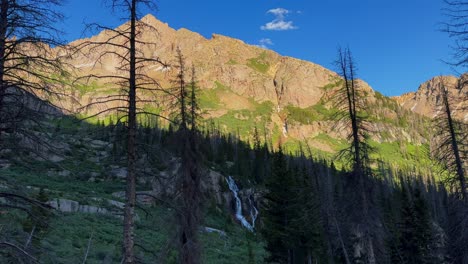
[
  {"x": 236, "y": 78},
  {"x": 427, "y": 100}
]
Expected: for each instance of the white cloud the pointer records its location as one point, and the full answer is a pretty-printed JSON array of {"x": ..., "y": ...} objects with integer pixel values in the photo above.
[
  {"x": 264, "y": 43},
  {"x": 279, "y": 23},
  {"x": 278, "y": 12}
]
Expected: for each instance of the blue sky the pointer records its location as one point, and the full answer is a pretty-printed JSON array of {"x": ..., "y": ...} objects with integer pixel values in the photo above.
[{"x": 396, "y": 43}]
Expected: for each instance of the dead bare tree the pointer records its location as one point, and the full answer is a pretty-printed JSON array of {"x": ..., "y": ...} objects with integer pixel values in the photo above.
[
  {"x": 349, "y": 99},
  {"x": 194, "y": 106},
  {"x": 451, "y": 152},
  {"x": 451, "y": 133},
  {"x": 30, "y": 85},
  {"x": 30, "y": 70},
  {"x": 18, "y": 201},
  {"x": 456, "y": 12},
  {"x": 129, "y": 77},
  {"x": 189, "y": 183}
]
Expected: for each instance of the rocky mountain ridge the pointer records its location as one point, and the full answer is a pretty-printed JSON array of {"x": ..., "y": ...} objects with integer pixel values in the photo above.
[
  {"x": 248, "y": 70},
  {"x": 427, "y": 100},
  {"x": 244, "y": 86}
]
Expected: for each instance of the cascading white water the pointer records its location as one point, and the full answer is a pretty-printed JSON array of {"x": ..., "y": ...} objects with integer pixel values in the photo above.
[{"x": 253, "y": 210}]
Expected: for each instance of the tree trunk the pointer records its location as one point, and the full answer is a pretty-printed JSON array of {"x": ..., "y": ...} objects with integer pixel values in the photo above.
[
  {"x": 454, "y": 143},
  {"x": 359, "y": 170},
  {"x": 130, "y": 194},
  {"x": 342, "y": 244},
  {"x": 182, "y": 91},
  {"x": 191, "y": 194},
  {"x": 309, "y": 257},
  {"x": 3, "y": 29}
]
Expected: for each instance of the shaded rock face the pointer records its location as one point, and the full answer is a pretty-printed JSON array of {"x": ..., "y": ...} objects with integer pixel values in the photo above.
[
  {"x": 69, "y": 206},
  {"x": 4, "y": 164},
  {"x": 213, "y": 185},
  {"x": 427, "y": 100},
  {"x": 18, "y": 101},
  {"x": 114, "y": 208},
  {"x": 119, "y": 172},
  {"x": 165, "y": 185}
]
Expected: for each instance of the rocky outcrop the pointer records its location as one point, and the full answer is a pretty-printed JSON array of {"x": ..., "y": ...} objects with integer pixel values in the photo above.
[
  {"x": 70, "y": 206},
  {"x": 164, "y": 186},
  {"x": 427, "y": 100}
]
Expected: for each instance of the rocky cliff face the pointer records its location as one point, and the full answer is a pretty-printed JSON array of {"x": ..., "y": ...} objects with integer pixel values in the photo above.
[
  {"x": 428, "y": 102},
  {"x": 244, "y": 86},
  {"x": 247, "y": 70}
]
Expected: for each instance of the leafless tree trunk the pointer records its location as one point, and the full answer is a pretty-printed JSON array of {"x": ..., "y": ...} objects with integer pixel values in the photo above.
[
  {"x": 27, "y": 69},
  {"x": 28, "y": 241},
  {"x": 340, "y": 238},
  {"x": 349, "y": 100},
  {"x": 454, "y": 143},
  {"x": 190, "y": 167},
  {"x": 347, "y": 71},
  {"x": 130, "y": 77},
  {"x": 3, "y": 31},
  {"x": 182, "y": 90},
  {"x": 130, "y": 194},
  {"x": 450, "y": 136},
  {"x": 453, "y": 134},
  {"x": 194, "y": 107},
  {"x": 456, "y": 12},
  {"x": 87, "y": 249},
  {"x": 18, "y": 249},
  {"x": 27, "y": 66}
]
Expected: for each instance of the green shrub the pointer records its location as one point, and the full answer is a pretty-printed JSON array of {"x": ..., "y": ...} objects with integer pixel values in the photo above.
[{"x": 259, "y": 63}]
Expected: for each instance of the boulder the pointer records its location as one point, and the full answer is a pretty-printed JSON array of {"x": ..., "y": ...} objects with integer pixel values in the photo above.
[
  {"x": 4, "y": 164},
  {"x": 119, "y": 173},
  {"x": 64, "y": 205},
  {"x": 64, "y": 173}
]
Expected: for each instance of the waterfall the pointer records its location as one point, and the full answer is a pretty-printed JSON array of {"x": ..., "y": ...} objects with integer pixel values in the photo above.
[{"x": 253, "y": 210}]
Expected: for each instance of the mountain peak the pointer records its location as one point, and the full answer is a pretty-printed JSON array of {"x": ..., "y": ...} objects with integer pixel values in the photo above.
[
  {"x": 251, "y": 72},
  {"x": 427, "y": 101},
  {"x": 150, "y": 19}
]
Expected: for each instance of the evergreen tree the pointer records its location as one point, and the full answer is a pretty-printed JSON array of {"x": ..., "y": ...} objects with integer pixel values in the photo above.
[
  {"x": 189, "y": 183},
  {"x": 278, "y": 211},
  {"x": 415, "y": 228},
  {"x": 306, "y": 226},
  {"x": 258, "y": 161},
  {"x": 423, "y": 226}
]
